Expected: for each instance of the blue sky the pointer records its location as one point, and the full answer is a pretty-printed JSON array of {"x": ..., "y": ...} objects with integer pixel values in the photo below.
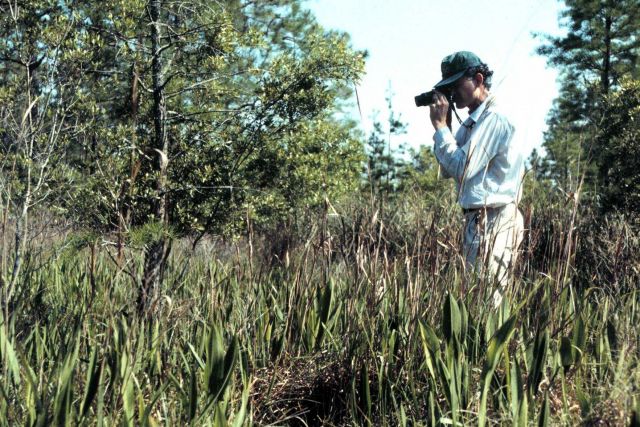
[{"x": 407, "y": 39}]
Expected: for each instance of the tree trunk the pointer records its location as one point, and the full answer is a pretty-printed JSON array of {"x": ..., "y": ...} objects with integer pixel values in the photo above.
[
  {"x": 605, "y": 82},
  {"x": 21, "y": 235},
  {"x": 157, "y": 251},
  {"x": 605, "y": 78},
  {"x": 22, "y": 220}
]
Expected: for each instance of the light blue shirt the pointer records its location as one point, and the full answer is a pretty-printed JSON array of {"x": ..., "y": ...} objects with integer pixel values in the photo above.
[{"x": 484, "y": 158}]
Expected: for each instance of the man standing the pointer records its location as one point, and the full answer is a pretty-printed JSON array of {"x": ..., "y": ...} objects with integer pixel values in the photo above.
[{"x": 486, "y": 164}]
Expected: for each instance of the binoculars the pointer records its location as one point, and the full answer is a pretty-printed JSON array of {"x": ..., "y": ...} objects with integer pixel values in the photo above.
[{"x": 426, "y": 98}]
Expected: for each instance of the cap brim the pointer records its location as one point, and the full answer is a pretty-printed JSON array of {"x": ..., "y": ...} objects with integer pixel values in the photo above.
[{"x": 448, "y": 81}]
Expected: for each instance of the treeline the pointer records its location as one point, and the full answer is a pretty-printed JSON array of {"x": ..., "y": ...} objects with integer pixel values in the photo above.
[
  {"x": 592, "y": 145},
  {"x": 152, "y": 120},
  {"x": 162, "y": 119}
]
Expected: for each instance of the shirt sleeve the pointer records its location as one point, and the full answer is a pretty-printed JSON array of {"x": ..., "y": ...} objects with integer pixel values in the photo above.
[
  {"x": 443, "y": 138},
  {"x": 487, "y": 139}
]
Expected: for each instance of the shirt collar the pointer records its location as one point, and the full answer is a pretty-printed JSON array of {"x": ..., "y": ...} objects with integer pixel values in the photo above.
[{"x": 475, "y": 116}]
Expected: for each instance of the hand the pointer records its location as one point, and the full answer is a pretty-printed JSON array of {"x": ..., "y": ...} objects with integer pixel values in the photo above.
[{"x": 438, "y": 111}]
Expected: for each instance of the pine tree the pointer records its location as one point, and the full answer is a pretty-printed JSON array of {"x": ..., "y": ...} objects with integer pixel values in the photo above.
[
  {"x": 384, "y": 163},
  {"x": 621, "y": 134},
  {"x": 601, "y": 46}
]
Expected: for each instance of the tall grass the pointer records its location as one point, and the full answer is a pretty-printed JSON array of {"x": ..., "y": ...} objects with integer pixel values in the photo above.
[{"x": 365, "y": 319}]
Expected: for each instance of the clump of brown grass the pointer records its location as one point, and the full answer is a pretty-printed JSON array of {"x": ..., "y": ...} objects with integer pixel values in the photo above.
[{"x": 302, "y": 391}]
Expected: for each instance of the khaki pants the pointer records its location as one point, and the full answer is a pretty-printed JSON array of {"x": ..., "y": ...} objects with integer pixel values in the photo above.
[{"x": 490, "y": 243}]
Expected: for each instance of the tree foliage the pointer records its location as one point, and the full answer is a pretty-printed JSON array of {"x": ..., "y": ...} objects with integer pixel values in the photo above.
[
  {"x": 35, "y": 97},
  {"x": 384, "y": 162},
  {"x": 175, "y": 118},
  {"x": 247, "y": 87},
  {"x": 601, "y": 45},
  {"x": 249, "y": 91},
  {"x": 620, "y": 138},
  {"x": 420, "y": 174}
]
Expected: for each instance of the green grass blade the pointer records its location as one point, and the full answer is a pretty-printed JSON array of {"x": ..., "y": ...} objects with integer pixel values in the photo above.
[
  {"x": 451, "y": 320},
  {"x": 238, "y": 419},
  {"x": 494, "y": 350},
  {"x": 543, "y": 420},
  {"x": 147, "y": 411},
  {"x": 9, "y": 356},
  {"x": 94, "y": 376}
]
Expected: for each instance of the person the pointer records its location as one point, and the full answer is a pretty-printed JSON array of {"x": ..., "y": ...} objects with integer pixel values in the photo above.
[{"x": 486, "y": 163}]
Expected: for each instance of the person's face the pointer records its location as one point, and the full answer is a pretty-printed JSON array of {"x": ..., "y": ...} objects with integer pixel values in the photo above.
[{"x": 466, "y": 92}]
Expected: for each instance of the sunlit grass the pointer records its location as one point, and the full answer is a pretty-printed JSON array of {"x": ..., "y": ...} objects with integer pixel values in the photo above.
[{"x": 367, "y": 320}]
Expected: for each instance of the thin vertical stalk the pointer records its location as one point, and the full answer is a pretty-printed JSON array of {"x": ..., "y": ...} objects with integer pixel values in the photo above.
[{"x": 157, "y": 251}]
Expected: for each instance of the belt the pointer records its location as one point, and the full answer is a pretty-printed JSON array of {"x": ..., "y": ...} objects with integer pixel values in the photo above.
[{"x": 467, "y": 211}]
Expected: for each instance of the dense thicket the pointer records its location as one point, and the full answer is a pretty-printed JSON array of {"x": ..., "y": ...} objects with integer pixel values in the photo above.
[{"x": 164, "y": 118}]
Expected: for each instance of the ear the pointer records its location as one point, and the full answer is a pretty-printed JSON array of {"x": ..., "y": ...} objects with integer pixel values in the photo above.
[{"x": 479, "y": 79}]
